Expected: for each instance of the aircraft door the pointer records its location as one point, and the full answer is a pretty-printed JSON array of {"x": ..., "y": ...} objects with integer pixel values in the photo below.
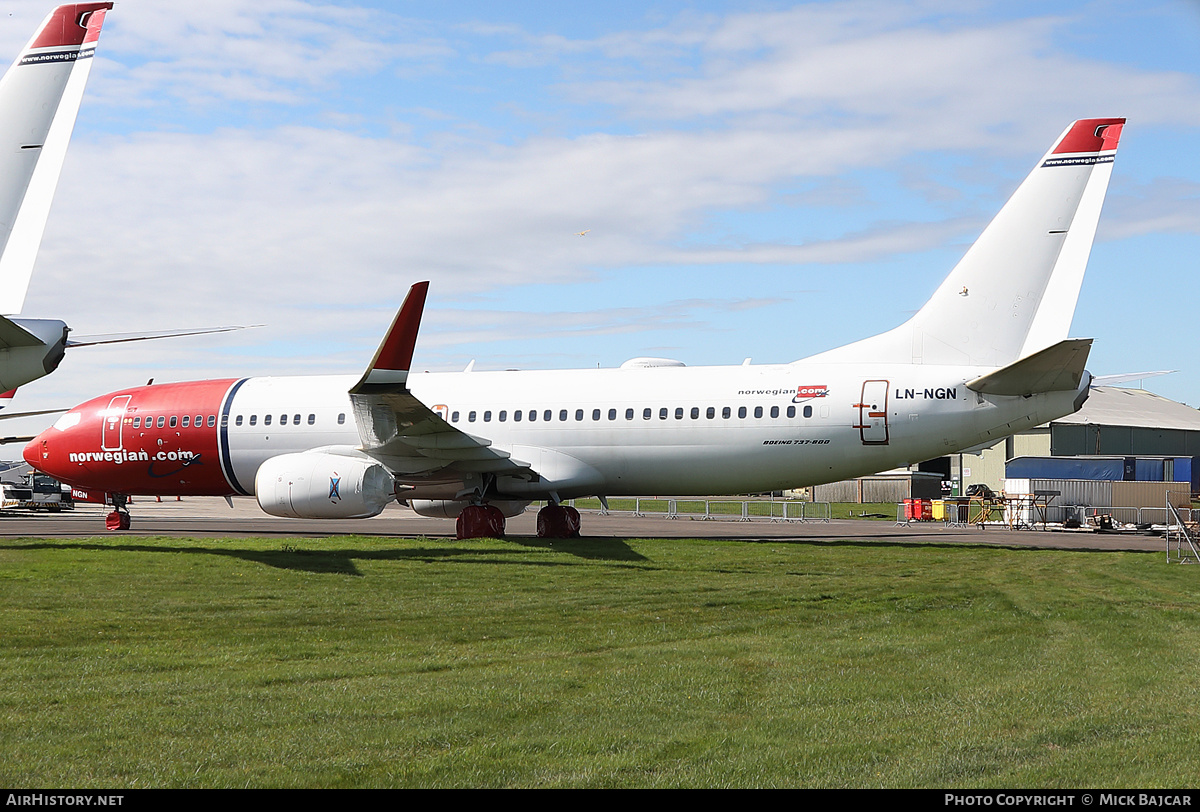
[
  {"x": 114, "y": 419},
  {"x": 872, "y": 413}
]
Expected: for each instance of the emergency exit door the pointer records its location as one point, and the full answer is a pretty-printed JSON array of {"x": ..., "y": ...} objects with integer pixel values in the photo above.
[
  {"x": 114, "y": 419},
  {"x": 872, "y": 413}
]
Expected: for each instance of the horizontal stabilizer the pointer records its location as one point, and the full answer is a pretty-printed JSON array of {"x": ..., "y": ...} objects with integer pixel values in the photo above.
[
  {"x": 1126, "y": 377},
  {"x": 120, "y": 338},
  {"x": 14, "y": 335},
  {"x": 1055, "y": 369}
]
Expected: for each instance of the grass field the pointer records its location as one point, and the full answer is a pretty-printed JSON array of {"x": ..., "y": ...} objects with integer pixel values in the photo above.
[{"x": 393, "y": 662}]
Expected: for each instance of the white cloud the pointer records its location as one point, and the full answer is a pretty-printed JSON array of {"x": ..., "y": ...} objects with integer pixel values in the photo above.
[{"x": 319, "y": 232}]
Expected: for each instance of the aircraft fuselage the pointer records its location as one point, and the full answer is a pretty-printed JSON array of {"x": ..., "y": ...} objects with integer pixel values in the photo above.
[{"x": 615, "y": 432}]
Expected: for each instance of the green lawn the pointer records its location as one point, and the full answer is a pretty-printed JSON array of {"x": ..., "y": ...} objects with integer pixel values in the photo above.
[{"x": 394, "y": 662}]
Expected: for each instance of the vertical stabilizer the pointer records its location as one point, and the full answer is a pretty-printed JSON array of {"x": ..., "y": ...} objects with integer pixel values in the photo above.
[
  {"x": 39, "y": 99},
  {"x": 1014, "y": 292}
]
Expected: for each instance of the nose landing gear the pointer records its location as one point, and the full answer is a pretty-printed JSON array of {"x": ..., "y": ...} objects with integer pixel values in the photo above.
[{"x": 119, "y": 518}]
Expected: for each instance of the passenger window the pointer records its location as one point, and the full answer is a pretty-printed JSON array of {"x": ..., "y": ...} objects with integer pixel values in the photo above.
[
  {"x": 547, "y": 415},
  {"x": 710, "y": 413},
  {"x": 238, "y": 421},
  {"x": 454, "y": 417},
  {"x": 212, "y": 420},
  {"x": 595, "y": 414},
  {"x": 266, "y": 419},
  {"x": 741, "y": 411},
  {"x": 199, "y": 421},
  {"x": 487, "y": 417},
  {"x": 470, "y": 417},
  {"x": 502, "y": 416},
  {"x": 283, "y": 419},
  {"x": 562, "y": 415},
  {"x": 579, "y": 414},
  {"x": 137, "y": 422},
  {"x": 517, "y": 415},
  {"x": 532, "y": 415},
  {"x": 612, "y": 414},
  {"x": 678, "y": 412},
  {"x": 774, "y": 411},
  {"x": 341, "y": 418},
  {"x": 791, "y": 412},
  {"x": 646, "y": 413},
  {"x": 160, "y": 421},
  {"x": 808, "y": 411},
  {"x": 253, "y": 419},
  {"x": 295, "y": 420},
  {"x": 312, "y": 419},
  {"x": 174, "y": 421},
  {"x": 725, "y": 413},
  {"x": 758, "y": 411},
  {"x": 224, "y": 421},
  {"x": 662, "y": 413},
  {"x": 695, "y": 412},
  {"x": 186, "y": 419},
  {"x": 629, "y": 414}
]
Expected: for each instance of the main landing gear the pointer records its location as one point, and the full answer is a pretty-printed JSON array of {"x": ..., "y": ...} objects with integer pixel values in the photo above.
[
  {"x": 554, "y": 521},
  {"x": 119, "y": 518},
  {"x": 480, "y": 522}
]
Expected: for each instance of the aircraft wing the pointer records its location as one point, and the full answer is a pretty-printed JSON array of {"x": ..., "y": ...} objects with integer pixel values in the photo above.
[{"x": 406, "y": 436}]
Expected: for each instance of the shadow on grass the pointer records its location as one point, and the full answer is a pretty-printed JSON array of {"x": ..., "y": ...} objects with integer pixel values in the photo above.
[{"x": 342, "y": 562}]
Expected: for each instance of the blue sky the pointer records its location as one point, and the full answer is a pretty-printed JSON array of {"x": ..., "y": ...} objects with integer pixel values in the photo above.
[{"x": 763, "y": 180}]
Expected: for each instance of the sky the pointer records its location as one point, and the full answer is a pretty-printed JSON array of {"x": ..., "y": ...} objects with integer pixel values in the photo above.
[{"x": 759, "y": 180}]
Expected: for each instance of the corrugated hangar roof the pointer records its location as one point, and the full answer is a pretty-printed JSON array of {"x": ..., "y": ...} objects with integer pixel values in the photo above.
[{"x": 1114, "y": 406}]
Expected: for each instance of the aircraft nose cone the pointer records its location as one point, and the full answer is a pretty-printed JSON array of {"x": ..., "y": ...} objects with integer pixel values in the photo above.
[{"x": 37, "y": 451}]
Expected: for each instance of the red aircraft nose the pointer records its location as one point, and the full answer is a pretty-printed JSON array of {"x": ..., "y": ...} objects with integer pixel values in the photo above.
[{"x": 37, "y": 450}]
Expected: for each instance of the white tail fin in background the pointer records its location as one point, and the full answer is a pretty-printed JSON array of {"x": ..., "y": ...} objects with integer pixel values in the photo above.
[
  {"x": 1014, "y": 292},
  {"x": 39, "y": 99}
]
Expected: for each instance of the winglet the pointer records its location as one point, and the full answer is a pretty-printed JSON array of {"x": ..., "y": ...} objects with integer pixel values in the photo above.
[
  {"x": 389, "y": 367},
  {"x": 39, "y": 99}
]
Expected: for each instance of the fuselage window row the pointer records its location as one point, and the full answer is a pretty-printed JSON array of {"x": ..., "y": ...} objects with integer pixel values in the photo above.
[
  {"x": 664, "y": 412},
  {"x": 186, "y": 421}
]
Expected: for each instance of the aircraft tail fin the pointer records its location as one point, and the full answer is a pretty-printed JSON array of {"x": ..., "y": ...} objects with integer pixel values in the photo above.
[
  {"x": 39, "y": 99},
  {"x": 1014, "y": 292}
]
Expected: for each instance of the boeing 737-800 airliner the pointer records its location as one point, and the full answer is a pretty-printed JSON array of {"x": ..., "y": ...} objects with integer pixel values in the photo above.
[{"x": 987, "y": 356}]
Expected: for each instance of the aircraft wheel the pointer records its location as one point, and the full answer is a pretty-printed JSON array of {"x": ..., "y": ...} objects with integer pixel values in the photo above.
[
  {"x": 558, "y": 522},
  {"x": 480, "y": 522}
]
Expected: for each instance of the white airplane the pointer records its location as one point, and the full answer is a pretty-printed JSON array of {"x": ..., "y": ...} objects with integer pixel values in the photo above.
[
  {"x": 987, "y": 356},
  {"x": 39, "y": 100}
]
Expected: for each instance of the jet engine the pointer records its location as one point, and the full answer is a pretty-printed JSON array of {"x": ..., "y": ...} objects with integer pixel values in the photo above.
[
  {"x": 451, "y": 508},
  {"x": 320, "y": 485}
]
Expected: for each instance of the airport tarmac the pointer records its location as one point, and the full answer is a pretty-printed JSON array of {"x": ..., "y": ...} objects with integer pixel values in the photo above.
[{"x": 199, "y": 517}]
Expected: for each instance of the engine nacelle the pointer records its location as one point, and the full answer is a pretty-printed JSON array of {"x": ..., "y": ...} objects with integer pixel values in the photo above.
[
  {"x": 451, "y": 508},
  {"x": 318, "y": 485}
]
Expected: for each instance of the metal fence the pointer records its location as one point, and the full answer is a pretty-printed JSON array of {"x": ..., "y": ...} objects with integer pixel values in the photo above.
[{"x": 728, "y": 510}]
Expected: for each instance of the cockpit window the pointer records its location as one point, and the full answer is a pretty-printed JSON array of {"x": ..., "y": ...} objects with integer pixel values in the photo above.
[{"x": 67, "y": 421}]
